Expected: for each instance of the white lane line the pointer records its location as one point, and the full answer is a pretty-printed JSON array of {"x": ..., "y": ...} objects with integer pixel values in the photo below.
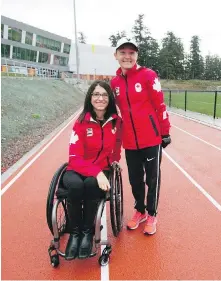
[
  {"x": 214, "y": 146},
  {"x": 5, "y": 188},
  {"x": 200, "y": 188},
  {"x": 104, "y": 269}
]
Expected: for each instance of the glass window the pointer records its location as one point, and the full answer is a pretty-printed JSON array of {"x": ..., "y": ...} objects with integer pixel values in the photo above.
[
  {"x": 24, "y": 54},
  {"x": 2, "y": 30},
  {"x": 28, "y": 38},
  {"x": 51, "y": 44},
  {"x": 44, "y": 58},
  {"x": 66, "y": 49},
  {"x": 5, "y": 50},
  {"x": 14, "y": 34},
  {"x": 60, "y": 60}
]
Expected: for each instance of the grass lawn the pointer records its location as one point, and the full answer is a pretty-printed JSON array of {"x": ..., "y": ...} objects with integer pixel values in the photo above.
[{"x": 202, "y": 102}]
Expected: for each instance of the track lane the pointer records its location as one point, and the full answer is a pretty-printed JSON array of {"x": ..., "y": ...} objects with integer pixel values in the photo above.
[
  {"x": 208, "y": 134},
  {"x": 25, "y": 235},
  {"x": 199, "y": 160},
  {"x": 187, "y": 243}
]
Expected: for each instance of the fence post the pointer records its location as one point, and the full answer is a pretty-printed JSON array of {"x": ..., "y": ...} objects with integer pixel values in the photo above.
[
  {"x": 185, "y": 99},
  {"x": 170, "y": 99},
  {"x": 214, "y": 112}
]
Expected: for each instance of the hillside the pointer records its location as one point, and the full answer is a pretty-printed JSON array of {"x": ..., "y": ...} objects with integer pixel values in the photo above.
[{"x": 31, "y": 109}]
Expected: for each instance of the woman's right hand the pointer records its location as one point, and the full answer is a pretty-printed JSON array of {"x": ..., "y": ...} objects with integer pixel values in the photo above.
[{"x": 103, "y": 182}]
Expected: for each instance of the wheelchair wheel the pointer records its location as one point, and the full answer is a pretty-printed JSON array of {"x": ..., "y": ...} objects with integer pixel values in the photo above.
[
  {"x": 119, "y": 200},
  {"x": 116, "y": 201},
  {"x": 62, "y": 208}
]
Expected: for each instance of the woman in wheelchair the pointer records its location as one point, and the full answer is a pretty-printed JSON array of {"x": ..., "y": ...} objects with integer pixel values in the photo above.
[{"x": 95, "y": 144}]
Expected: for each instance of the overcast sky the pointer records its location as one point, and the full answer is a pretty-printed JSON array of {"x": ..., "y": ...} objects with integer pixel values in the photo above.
[{"x": 98, "y": 19}]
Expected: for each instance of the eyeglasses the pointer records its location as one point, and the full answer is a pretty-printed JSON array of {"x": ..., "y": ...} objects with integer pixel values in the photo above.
[{"x": 98, "y": 95}]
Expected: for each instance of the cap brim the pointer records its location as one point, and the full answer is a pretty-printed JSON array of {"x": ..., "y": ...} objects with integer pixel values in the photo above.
[{"x": 122, "y": 46}]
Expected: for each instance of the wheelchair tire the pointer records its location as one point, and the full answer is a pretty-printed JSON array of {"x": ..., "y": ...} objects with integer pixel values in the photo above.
[
  {"x": 119, "y": 201},
  {"x": 55, "y": 260},
  {"x": 114, "y": 209},
  {"x": 52, "y": 196},
  {"x": 104, "y": 260}
]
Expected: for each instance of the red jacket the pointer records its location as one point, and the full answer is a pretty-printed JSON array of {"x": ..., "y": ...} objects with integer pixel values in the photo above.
[
  {"x": 94, "y": 147},
  {"x": 141, "y": 103}
]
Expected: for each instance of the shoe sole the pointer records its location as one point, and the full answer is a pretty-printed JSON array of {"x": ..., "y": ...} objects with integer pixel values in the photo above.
[
  {"x": 149, "y": 233},
  {"x": 132, "y": 228}
]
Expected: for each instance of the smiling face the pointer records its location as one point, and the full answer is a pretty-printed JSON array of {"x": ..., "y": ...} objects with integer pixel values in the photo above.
[
  {"x": 99, "y": 99},
  {"x": 126, "y": 56}
]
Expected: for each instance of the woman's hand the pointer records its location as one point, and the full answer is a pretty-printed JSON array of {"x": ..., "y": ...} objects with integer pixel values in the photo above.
[{"x": 103, "y": 182}]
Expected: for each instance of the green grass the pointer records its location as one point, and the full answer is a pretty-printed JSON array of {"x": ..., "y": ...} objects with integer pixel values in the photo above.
[{"x": 202, "y": 102}]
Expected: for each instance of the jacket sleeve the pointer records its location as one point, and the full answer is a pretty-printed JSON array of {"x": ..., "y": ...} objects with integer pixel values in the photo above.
[
  {"x": 76, "y": 153},
  {"x": 116, "y": 155},
  {"x": 157, "y": 100}
]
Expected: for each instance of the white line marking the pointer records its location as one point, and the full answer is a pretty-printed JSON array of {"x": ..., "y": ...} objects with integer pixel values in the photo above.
[
  {"x": 201, "y": 189},
  {"x": 214, "y": 146},
  {"x": 104, "y": 269},
  {"x": 5, "y": 188}
]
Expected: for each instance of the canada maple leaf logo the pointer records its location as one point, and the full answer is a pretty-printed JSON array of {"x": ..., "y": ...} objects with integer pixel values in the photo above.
[
  {"x": 156, "y": 85},
  {"x": 74, "y": 138}
]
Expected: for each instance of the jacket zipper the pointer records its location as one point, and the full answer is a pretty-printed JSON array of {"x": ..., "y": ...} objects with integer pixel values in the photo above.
[
  {"x": 154, "y": 125},
  {"x": 131, "y": 118},
  {"x": 102, "y": 144}
]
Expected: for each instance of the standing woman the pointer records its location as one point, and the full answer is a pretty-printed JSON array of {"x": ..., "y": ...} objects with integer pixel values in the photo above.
[{"x": 94, "y": 145}]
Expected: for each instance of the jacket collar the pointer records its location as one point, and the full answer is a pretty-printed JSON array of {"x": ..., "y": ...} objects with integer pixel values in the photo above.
[
  {"x": 89, "y": 118},
  {"x": 134, "y": 69}
]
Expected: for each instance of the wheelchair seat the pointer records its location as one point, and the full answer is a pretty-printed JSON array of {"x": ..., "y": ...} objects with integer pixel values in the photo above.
[{"x": 57, "y": 216}]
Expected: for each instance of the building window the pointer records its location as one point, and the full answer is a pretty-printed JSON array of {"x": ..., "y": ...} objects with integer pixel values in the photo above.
[
  {"x": 66, "y": 49},
  {"x": 2, "y": 30},
  {"x": 24, "y": 54},
  {"x": 5, "y": 50},
  {"x": 60, "y": 60},
  {"x": 44, "y": 58},
  {"x": 14, "y": 34},
  {"x": 28, "y": 38},
  {"x": 44, "y": 42}
]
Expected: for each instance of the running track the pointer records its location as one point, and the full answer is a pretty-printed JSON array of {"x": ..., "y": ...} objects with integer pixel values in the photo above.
[{"x": 187, "y": 244}]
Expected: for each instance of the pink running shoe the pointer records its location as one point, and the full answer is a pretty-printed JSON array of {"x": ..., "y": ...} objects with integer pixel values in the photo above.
[
  {"x": 151, "y": 225},
  {"x": 136, "y": 220}
]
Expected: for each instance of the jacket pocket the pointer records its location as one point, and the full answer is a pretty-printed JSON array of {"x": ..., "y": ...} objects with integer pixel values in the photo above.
[{"x": 154, "y": 125}]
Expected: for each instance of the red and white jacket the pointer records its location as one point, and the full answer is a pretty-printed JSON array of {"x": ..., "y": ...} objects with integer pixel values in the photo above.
[
  {"x": 141, "y": 103},
  {"x": 93, "y": 147}
]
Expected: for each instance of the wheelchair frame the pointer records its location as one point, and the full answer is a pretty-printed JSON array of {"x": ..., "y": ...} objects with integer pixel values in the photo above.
[{"x": 57, "y": 195}]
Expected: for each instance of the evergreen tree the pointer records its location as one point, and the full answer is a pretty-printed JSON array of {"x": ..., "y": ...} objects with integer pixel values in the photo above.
[
  {"x": 114, "y": 38},
  {"x": 197, "y": 64},
  {"x": 148, "y": 46},
  {"x": 171, "y": 57}
]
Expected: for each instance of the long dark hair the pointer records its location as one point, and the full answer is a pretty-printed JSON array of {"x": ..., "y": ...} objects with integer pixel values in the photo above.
[{"x": 88, "y": 107}]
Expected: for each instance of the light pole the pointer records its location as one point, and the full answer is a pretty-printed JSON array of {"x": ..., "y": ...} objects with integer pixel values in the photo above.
[
  {"x": 76, "y": 41},
  {"x": 95, "y": 74}
]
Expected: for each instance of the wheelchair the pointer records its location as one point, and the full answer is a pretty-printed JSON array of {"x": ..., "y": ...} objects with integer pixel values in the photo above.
[{"x": 57, "y": 215}]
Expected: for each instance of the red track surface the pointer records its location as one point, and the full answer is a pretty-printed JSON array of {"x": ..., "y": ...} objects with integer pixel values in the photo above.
[{"x": 187, "y": 244}]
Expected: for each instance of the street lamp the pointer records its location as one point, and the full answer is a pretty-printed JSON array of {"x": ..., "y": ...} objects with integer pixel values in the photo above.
[{"x": 76, "y": 41}]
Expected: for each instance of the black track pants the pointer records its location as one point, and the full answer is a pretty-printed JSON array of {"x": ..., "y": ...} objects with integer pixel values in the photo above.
[
  {"x": 145, "y": 160},
  {"x": 81, "y": 187}
]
